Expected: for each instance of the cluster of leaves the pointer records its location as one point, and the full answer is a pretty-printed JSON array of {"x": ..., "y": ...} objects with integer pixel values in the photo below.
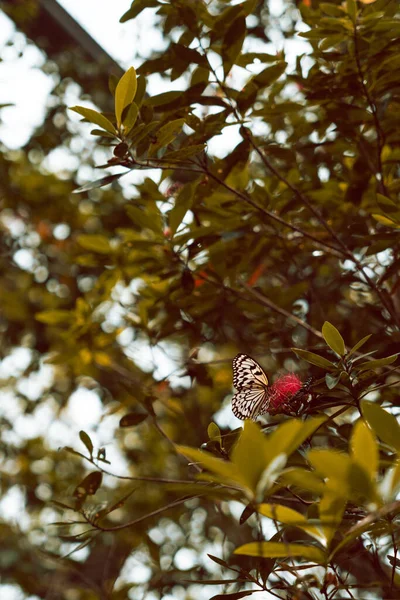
[{"x": 248, "y": 249}]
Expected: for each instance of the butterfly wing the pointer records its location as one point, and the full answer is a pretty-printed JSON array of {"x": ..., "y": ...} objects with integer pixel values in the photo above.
[
  {"x": 247, "y": 373},
  {"x": 252, "y": 383},
  {"x": 247, "y": 404}
]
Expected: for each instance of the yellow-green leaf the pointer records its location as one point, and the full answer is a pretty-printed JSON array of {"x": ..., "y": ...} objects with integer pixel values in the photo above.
[
  {"x": 364, "y": 448},
  {"x": 288, "y": 516},
  {"x": 379, "y": 362},
  {"x": 95, "y": 117},
  {"x": 280, "y": 550},
  {"x": 383, "y": 423},
  {"x": 166, "y": 134},
  {"x": 331, "y": 508},
  {"x": 333, "y": 338},
  {"x": 213, "y": 432},
  {"x": 182, "y": 204},
  {"x": 315, "y": 359},
  {"x": 125, "y": 92},
  {"x": 223, "y": 471}
]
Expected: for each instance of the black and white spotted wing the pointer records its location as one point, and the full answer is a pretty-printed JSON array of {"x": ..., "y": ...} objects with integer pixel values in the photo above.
[{"x": 251, "y": 382}]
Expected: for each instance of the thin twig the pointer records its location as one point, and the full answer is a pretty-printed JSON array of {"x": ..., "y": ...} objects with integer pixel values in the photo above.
[{"x": 144, "y": 517}]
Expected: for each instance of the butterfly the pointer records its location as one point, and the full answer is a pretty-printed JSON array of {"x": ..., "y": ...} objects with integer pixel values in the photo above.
[{"x": 249, "y": 379}]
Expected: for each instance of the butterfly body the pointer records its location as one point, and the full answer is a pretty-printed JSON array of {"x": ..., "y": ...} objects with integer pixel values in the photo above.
[{"x": 249, "y": 379}]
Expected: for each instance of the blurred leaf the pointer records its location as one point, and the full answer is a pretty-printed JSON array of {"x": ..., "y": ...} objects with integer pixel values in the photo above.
[
  {"x": 233, "y": 42},
  {"x": 136, "y": 8},
  {"x": 94, "y": 243},
  {"x": 54, "y": 317},
  {"x": 132, "y": 419},
  {"x": 89, "y": 485},
  {"x": 383, "y": 423},
  {"x": 213, "y": 432},
  {"x": 125, "y": 93},
  {"x": 188, "y": 285},
  {"x": 184, "y": 153},
  {"x": 95, "y": 117},
  {"x": 248, "y": 511},
  {"x": 232, "y": 596},
  {"x": 85, "y": 439},
  {"x": 183, "y": 203},
  {"x": 98, "y": 183},
  {"x": 331, "y": 509},
  {"x": 333, "y": 338},
  {"x": 364, "y": 448}
]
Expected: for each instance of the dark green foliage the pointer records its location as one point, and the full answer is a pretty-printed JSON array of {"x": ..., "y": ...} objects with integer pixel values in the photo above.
[{"x": 282, "y": 244}]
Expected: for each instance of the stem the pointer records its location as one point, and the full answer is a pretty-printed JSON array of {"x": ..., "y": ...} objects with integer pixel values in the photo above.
[{"x": 143, "y": 518}]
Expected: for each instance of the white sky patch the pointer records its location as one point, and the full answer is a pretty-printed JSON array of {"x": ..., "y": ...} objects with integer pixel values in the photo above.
[
  {"x": 15, "y": 363},
  {"x": 84, "y": 408}
]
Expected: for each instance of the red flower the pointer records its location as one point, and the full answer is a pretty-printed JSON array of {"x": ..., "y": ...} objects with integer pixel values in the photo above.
[{"x": 284, "y": 394}]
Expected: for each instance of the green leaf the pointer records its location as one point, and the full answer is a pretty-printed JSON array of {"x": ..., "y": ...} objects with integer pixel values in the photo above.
[
  {"x": 94, "y": 242},
  {"x": 383, "y": 423},
  {"x": 183, "y": 203},
  {"x": 130, "y": 119},
  {"x": 85, "y": 439},
  {"x": 364, "y": 448},
  {"x": 184, "y": 153},
  {"x": 315, "y": 359},
  {"x": 144, "y": 220},
  {"x": 379, "y": 362},
  {"x": 95, "y": 117},
  {"x": 333, "y": 338},
  {"x": 213, "y": 432},
  {"x": 359, "y": 344},
  {"x": 303, "y": 480},
  {"x": 125, "y": 93},
  {"x": 132, "y": 419},
  {"x": 332, "y": 380},
  {"x": 89, "y": 485},
  {"x": 233, "y": 42},
  {"x": 136, "y": 8},
  {"x": 140, "y": 90},
  {"x": 269, "y": 75},
  {"x": 281, "y": 550},
  {"x": 386, "y": 221},
  {"x": 166, "y": 134},
  {"x": 99, "y": 183}
]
